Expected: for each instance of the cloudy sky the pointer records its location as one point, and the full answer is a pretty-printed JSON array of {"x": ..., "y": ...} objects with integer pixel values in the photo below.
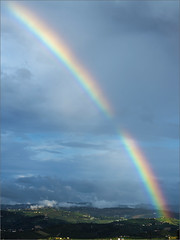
[{"x": 56, "y": 143}]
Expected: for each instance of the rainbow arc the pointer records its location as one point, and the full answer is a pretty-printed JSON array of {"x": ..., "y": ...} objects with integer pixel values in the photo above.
[{"x": 66, "y": 57}]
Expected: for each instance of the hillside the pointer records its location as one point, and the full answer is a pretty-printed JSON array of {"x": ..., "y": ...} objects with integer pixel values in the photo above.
[{"x": 84, "y": 223}]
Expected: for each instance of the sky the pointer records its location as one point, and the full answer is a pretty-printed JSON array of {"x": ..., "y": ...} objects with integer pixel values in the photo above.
[{"x": 56, "y": 144}]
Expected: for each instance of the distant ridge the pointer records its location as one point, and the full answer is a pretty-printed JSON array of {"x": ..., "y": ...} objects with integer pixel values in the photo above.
[
  {"x": 145, "y": 210},
  {"x": 175, "y": 208}
]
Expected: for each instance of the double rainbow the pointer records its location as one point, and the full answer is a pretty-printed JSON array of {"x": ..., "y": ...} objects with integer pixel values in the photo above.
[{"x": 65, "y": 56}]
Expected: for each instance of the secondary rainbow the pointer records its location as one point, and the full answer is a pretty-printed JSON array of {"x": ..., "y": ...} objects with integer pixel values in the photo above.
[{"x": 65, "y": 56}]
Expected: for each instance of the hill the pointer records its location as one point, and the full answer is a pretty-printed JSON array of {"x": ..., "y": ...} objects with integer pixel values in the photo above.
[{"x": 84, "y": 223}]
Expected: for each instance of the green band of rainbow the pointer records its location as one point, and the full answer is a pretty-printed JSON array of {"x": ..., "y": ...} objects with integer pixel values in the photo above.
[{"x": 65, "y": 56}]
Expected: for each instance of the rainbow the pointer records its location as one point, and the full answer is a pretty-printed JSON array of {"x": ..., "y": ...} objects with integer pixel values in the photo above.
[
  {"x": 146, "y": 173},
  {"x": 66, "y": 57}
]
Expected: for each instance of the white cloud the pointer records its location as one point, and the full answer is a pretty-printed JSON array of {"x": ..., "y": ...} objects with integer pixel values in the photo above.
[{"x": 48, "y": 203}]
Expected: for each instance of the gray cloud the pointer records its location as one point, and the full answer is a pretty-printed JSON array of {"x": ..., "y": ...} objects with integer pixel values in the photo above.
[
  {"x": 82, "y": 145},
  {"x": 35, "y": 189},
  {"x": 31, "y": 104},
  {"x": 142, "y": 16}
]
